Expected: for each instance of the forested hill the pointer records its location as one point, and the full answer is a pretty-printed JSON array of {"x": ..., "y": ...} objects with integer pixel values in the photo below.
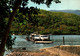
[{"x": 47, "y": 22}]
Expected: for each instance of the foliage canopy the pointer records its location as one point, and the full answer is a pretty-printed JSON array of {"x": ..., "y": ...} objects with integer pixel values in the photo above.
[{"x": 47, "y": 22}]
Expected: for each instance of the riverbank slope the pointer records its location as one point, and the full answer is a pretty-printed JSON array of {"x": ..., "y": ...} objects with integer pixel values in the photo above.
[{"x": 65, "y": 50}]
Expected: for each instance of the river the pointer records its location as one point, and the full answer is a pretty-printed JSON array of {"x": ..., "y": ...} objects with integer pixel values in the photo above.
[{"x": 21, "y": 42}]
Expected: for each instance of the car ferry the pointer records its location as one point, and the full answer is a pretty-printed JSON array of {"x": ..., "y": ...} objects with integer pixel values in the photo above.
[{"x": 37, "y": 38}]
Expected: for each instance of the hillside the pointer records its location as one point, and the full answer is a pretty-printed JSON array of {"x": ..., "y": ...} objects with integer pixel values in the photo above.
[{"x": 47, "y": 22}]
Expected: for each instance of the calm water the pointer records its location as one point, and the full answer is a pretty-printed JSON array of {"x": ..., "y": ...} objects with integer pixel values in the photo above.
[{"x": 21, "y": 42}]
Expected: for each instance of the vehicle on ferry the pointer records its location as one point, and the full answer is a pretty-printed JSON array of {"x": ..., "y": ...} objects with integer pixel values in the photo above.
[
  {"x": 44, "y": 37},
  {"x": 39, "y": 37}
]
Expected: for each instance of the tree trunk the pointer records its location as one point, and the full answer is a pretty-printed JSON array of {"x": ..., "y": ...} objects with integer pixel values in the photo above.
[{"x": 6, "y": 33}]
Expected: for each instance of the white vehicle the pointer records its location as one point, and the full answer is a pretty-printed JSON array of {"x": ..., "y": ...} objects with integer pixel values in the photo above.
[
  {"x": 32, "y": 35},
  {"x": 36, "y": 37},
  {"x": 44, "y": 37}
]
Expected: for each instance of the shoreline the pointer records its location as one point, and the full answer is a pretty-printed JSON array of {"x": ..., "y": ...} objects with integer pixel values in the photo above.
[{"x": 62, "y": 50}]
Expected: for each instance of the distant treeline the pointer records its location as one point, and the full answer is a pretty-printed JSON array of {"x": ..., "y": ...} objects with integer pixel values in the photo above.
[{"x": 47, "y": 22}]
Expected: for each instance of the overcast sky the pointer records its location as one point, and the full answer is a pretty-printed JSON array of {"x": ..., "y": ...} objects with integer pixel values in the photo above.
[{"x": 64, "y": 5}]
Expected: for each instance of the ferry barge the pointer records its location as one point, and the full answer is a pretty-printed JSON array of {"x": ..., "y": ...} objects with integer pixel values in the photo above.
[{"x": 37, "y": 38}]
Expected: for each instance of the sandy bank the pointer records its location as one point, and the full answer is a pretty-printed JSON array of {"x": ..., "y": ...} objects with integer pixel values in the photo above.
[{"x": 52, "y": 51}]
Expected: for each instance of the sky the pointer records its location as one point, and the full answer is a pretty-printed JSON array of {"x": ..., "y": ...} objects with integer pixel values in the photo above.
[{"x": 64, "y": 5}]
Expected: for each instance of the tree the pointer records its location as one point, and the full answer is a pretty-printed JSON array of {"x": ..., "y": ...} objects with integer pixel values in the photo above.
[{"x": 10, "y": 7}]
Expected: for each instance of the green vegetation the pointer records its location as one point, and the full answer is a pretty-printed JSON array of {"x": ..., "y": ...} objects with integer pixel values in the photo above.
[
  {"x": 8, "y": 9},
  {"x": 47, "y": 22}
]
